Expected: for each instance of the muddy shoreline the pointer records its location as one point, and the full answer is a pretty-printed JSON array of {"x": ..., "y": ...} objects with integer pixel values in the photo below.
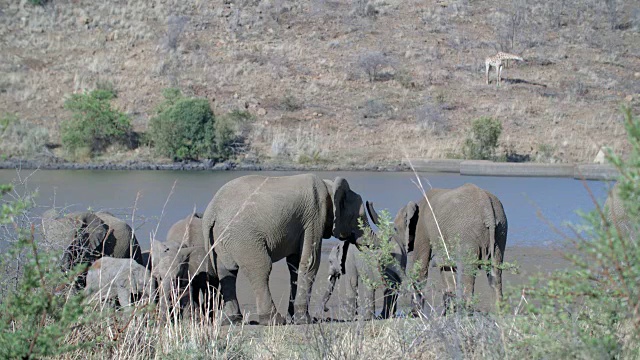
[
  {"x": 193, "y": 166},
  {"x": 466, "y": 167},
  {"x": 531, "y": 262}
]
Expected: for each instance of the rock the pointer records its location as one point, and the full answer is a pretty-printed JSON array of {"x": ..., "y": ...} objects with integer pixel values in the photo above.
[
  {"x": 601, "y": 156},
  {"x": 208, "y": 163},
  {"x": 222, "y": 166},
  {"x": 262, "y": 112}
]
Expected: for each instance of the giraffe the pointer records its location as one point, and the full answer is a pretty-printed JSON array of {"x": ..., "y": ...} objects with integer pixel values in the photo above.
[{"x": 496, "y": 62}]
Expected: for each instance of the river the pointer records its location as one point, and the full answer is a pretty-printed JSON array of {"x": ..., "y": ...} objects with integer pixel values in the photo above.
[{"x": 156, "y": 199}]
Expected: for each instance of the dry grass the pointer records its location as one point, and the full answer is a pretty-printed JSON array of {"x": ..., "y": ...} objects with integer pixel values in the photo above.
[
  {"x": 242, "y": 56},
  {"x": 139, "y": 336}
]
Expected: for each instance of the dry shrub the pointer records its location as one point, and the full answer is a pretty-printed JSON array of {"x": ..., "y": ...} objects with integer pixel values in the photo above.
[{"x": 20, "y": 138}]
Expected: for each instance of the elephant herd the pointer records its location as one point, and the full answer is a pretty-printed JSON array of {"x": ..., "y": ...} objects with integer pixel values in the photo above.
[{"x": 254, "y": 221}]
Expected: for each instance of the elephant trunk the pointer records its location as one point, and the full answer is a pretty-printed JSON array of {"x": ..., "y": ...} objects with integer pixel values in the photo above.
[{"x": 327, "y": 295}]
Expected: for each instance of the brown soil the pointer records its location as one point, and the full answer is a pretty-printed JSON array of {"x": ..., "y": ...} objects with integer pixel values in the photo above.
[
  {"x": 532, "y": 261},
  {"x": 298, "y": 66}
]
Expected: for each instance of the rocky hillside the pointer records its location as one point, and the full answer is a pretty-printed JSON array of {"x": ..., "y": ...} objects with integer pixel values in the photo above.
[{"x": 348, "y": 82}]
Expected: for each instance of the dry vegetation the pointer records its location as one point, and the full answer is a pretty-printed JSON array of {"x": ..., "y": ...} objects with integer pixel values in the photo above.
[{"x": 344, "y": 82}]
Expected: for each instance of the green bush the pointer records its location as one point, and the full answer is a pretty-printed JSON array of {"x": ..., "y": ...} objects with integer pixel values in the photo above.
[
  {"x": 19, "y": 138},
  {"x": 186, "y": 128},
  {"x": 95, "y": 124},
  {"x": 183, "y": 128},
  {"x": 482, "y": 143},
  {"x": 592, "y": 309},
  {"x": 35, "y": 322}
]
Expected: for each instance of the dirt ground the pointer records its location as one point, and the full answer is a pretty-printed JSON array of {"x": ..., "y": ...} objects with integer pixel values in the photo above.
[
  {"x": 344, "y": 82},
  {"x": 531, "y": 261}
]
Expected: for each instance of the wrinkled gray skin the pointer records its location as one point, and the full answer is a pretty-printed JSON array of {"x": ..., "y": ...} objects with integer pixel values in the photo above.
[
  {"x": 181, "y": 263},
  {"x": 346, "y": 259},
  {"x": 90, "y": 235},
  {"x": 615, "y": 212},
  {"x": 110, "y": 278},
  {"x": 146, "y": 260},
  {"x": 255, "y": 221},
  {"x": 468, "y": 216}
]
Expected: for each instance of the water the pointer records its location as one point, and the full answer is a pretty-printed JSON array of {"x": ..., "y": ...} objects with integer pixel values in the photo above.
[{"x": 157, "y": 199}]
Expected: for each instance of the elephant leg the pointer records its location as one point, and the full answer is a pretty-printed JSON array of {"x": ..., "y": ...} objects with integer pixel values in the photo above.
[
  {"x": 468, "y": 283},
  {"x": 447, "y": 278},
  {"x": 231, "y": 308},
  {"x": 494, "y": 275},
  {"x": 390, "y": 301},
  {"x": 258, "y": 275},
  {"x": 124, "y": 296},
  {"x": 449, "y": 289},
  {"x": 166, "y": 295},
  {"x": 307, "y": 270},
  {"x": 369, "y": 304},
  {"x": 293, "y": 261},
  {"x": 352, "y": 296},
  {"x": 422, "y": 263}
]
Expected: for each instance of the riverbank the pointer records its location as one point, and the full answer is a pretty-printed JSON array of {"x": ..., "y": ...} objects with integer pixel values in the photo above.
[{"x": 463, "y": 167}]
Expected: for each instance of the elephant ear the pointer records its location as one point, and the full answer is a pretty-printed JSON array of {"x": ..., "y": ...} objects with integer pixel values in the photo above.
[
  {"x": 95, "y": 231},
  {"x": 411, "y": 214},
  {"x": 340, "y": 190}
]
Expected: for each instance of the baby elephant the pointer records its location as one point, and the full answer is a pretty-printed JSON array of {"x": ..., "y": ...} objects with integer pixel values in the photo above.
[
  {"x": 125, "y": 279},
  {"x": 181, "y": 263},
  {"x": 358, "y": 266}
]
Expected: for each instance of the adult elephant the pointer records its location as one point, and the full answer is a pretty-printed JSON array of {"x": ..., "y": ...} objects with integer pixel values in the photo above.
[
  {"x": 88, "y": 235},
  {"x": 472, "y": 223},
  {"x": 616, "y": 213},
  {"x": 373, "y": 267},
  {"x": 255, "y": 220},
  {"x": 181, "y": 263}
]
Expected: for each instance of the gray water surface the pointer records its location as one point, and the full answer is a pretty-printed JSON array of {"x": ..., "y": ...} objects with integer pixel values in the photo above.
[{"x": 157, "y": 199}]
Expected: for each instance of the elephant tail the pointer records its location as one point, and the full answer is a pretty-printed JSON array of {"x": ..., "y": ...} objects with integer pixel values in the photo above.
[{"x": 490, "y": 222}]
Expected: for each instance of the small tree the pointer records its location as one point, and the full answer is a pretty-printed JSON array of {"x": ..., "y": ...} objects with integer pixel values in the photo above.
[
  {"x": 597, "y": 300},
  {"x": 95, "y": 124},
  {"x": 20, "y": 138},
  {"x": 183, "y": 128},
  {"x": 482, "y": 143},
  {"x": 34, "y": 320},
  {"x": 373, "y": 62}
]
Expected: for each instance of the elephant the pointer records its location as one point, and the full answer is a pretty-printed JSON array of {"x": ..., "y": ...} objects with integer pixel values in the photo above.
[
  {"x": 88, "y": 236},
  {"x": 147, "y": 262},
  {"x": 109, "y": 278},
  {"x": 473, "y": 224},
  {"x": 346, "y": 259},
  {"x": 254, "y": 221},
  {"x": 182, "y": 263},
  {"x": 615, "y": 212}
]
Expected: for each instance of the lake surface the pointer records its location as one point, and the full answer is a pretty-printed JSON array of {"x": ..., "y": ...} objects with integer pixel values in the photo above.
[{"x": 153, "y": 200}]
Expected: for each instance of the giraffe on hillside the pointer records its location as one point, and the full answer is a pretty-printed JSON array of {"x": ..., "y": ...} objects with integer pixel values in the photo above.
[{"x": 496, "y": 62}]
